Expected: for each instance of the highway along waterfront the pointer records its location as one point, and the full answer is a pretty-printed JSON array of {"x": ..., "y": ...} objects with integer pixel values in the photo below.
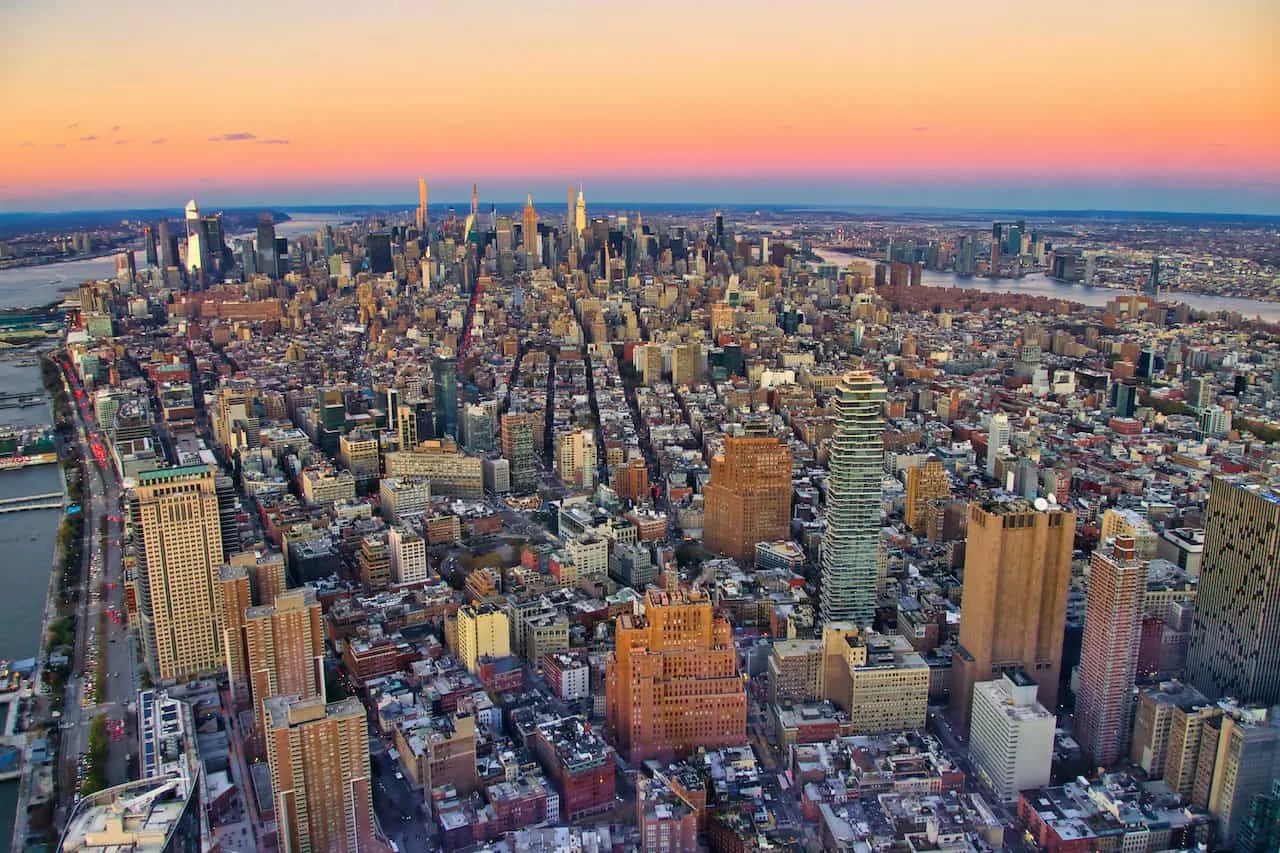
[{"x": 26, "y": 543}]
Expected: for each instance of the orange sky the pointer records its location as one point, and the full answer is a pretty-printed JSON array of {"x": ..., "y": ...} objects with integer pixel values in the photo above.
[{"x": 103, "y": 98}]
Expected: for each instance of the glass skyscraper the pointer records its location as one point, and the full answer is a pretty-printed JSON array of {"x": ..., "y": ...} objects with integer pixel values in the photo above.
[{"x": 851, "y": 543}]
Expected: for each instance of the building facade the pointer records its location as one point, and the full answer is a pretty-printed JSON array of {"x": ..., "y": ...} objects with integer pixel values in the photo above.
[
  {"x": 175, "y": 511},
  {"x": 1235, "y": 638},
  {"x": 1017, "y": 571},
  {"x": 749, "y": 497},
  {"x": 318, "y": 756},
  {"x": 1109, "y": 655},
  {"x": 672, "y": 682},
  {"x": 851, "y": 542}
]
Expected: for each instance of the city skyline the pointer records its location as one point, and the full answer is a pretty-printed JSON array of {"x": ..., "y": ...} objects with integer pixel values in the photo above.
[{"x": 1176, "y": 110}]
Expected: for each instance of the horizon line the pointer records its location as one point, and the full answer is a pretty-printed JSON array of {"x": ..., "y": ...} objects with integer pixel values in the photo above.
[{"x": 623, "y": 205}]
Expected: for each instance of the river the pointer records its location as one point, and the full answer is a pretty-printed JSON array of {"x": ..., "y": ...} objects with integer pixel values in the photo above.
[
  {"x": 26, "y": 540},
  {"x": 1039, "y": 284},
  {"x": 25, "y": 287}
]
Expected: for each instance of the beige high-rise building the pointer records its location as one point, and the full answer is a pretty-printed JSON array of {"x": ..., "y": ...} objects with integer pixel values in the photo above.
[
  {"x": 175, "y": 511},
  {"x": 1239, "y": 759},
  {"x": 483, "y": 631},
  {"x": 318, "y": 755},
  {"x": 1153, "y": 723},
  {"x": 1182, "y": 754},
  {"x": 576, "y": 458},
  {"x": 1013, "y": 612},
  {"x": 284, "y": 646},
  {"x": 684, "y": 364},
  {"x": 236, "y": 599}
]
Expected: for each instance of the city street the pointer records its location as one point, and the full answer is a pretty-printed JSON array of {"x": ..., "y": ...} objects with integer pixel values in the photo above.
[{"x": 100, "y": 641}]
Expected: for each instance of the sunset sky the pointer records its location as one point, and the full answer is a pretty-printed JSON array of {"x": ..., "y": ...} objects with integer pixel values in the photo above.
[{"x": 1134, "y": 104}]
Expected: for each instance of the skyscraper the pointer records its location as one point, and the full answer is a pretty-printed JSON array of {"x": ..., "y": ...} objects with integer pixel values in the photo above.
[
  {"x": 996, "y": 237},
  {"x": 175, "y": 511},
  {"x": 421, "y": 220},
  {"x": 672, "y": 682},
  {"x": 529, "y": 233},
  {"x": 198, "y": 258},
  {"x": 576, "y": 458},
  {"x": 378, "y": 253},
  {"x": 997, "y": 440},
  {"x": 168, "y": 246},
  {"x": 318, "y": 756},
  {"x": 580, "y": 219},
  {"x": 505, "y": 236},
  {"x": 1013, "y": 612},
  {"x": 236, "y": 598},
  {"x": 266, "y": 246},
  {"x": 1235, "y": 638},
  {"x": 517, "y": 448},
  {"x": 284, "y": 648},
  {"x": 149, "y": 243},
  {"x": 851, "y": 543},
  {"x": 475, "y": 202},
  {"x": 444, "y": 379},
  {"x": 749, "y": 497},
  {"x": 1109, "y": 658}
]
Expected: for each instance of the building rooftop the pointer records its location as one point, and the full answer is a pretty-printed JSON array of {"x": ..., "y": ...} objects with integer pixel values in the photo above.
[{"x": 136, "y": 817}]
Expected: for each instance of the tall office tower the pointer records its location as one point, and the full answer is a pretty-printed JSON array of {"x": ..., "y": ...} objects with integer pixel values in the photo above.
[
  {"x": 996, "y": 237},
  {"x": 266, "y": 245},
  {"x": 318, "y": 756},
  {"x": 997, "y": 440},
  {"x": 505, "y": 238},
  {"x": 517, "y": 449},
  {"x": 168, "y": 251},
  {"x": 1235, "y": 638},
  {"x": 444, "y": 384},
  {"x": 284, "y": 649},
  {"x": 475, "y": 202},
  {"x": 391, "y": 403},
  {"x": 580, "y": 218},
  {"x": 484, "y": 631},
  {"x": 576, "y": 458},
  {"x": 964, "y": 256},
  {"x": 529, "y": 233},
  {"x": 282, "y": 257},
  {"x": 228, "y": 514},
  {"x": 925, "y": 483},
  {"x": 572, "y": 239},
  {"x": 377, "y": 249},
  {"x": 672, "y": 683},
  {"x": 1013, "y": 612},
  {"x": 749, "y": 497},
  {"x": 175, "y": 511},
  {"x": 149, "y": 243},
  {"x": 198, "y": 257},
  {"x": 1153, "y": 277},
  {"x": 851, "y": 543},
  {"x": 1200, "y": 393},
  {"x": 421, "y": 220},
  {"x": 1109, "y": 657},
  {"x": 236, "y": 598}
]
